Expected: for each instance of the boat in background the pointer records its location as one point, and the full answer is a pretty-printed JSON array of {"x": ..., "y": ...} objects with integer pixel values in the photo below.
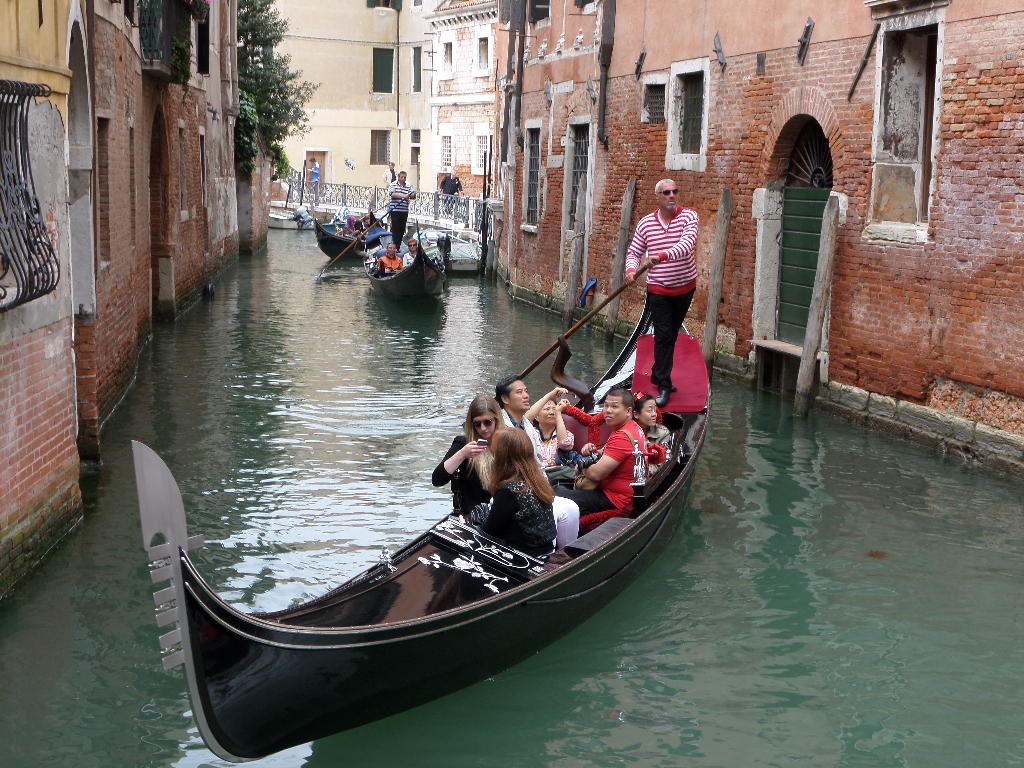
[{"x": 424, "y": 277}]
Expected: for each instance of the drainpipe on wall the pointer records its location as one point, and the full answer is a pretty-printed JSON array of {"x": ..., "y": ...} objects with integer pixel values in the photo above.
[
  {"x": 509, "y": 72},
  {"x": 520, "y": 66},
  {"x": 605, "y": 60},
  {"x": 398, "y": 81}
]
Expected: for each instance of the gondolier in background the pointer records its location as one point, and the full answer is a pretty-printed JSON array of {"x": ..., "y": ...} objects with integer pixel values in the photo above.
[
  {"x": 400, "y": 194},
  {"x": 666, "y": 240}
]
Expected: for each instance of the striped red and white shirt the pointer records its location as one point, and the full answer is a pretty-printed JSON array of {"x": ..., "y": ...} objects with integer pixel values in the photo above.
[{"x": 676, "y": 273}]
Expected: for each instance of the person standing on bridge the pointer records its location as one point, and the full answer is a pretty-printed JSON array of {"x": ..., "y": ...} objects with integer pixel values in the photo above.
[
  {"x": 665, "y": 239},
  {"x": 400, "y": 194}
]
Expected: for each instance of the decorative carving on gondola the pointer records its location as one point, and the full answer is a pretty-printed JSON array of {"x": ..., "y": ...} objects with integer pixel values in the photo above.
[
  {"x": 28, "y": 261},
  {"x": 467, "y": 565},
  {"x": 467, "y": 537}
]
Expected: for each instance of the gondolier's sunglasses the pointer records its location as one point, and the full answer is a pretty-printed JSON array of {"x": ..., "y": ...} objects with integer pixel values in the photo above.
[
  {"x": 669, "y": 192},
  {"x": 483, "y": 422}
]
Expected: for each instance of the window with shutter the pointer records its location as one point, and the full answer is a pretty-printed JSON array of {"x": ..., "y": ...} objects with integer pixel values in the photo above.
[{"x": 383, "y": 66}]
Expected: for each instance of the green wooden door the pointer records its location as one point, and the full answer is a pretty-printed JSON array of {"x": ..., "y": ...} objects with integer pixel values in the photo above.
[{"x": 802, "y": 210}]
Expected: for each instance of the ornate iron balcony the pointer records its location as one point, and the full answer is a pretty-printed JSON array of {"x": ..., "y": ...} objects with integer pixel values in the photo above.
[
  {"x": 28, "y": 262},
  {"x": 160, "y": 22}
]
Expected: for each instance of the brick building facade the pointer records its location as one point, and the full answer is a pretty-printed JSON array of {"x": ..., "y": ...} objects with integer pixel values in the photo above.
[
  {"x": 918, "y": 148},
  {"x": 166, "y": 212}
]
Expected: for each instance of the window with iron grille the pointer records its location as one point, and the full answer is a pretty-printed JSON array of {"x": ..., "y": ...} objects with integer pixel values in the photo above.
[
  {"x": 446, "y": 152},
  {"x": 580, "y": 159},
  {"x": 691, "y": 111},
  {"x": 532, "y": 175},
  {"x": 415, "y": 135},
  {"x": 483, "y": 143},
  {"x": 380, "y": 147},
  {"x": 383, "y": 69},
  {"x": 654, "y": 103}
]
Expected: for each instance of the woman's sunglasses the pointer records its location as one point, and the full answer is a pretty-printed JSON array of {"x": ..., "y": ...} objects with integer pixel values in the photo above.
[{"x": 483, "y": 422}]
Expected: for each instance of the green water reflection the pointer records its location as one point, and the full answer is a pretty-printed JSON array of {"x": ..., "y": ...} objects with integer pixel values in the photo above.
[{"x": 833, "y": 598}]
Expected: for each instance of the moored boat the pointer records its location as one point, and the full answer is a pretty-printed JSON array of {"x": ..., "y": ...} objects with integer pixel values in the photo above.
[
  {"x": 424, "y": 277},
  {"x": 382, "y": 642}
]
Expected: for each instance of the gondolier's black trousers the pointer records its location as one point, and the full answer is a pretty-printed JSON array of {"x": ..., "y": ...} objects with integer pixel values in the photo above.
[
  {"x": 398, "y": 220},
  {"x": 667, "y": 314}
]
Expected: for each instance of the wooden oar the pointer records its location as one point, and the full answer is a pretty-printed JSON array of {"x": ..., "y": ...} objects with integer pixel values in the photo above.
[
  {"x": 581, "y": 321},
  {"x": 359, "y": 238}
]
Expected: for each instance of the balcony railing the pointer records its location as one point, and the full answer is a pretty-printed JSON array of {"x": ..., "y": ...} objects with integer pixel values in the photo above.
[
  {"x": 28, "y": 262},
  {"x": 160, "y": 21}
]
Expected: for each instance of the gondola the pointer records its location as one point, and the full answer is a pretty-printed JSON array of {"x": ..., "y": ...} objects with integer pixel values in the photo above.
[
  {"x": 332, "y": 241},
  {"x": 386, "y": 640},
  {"x": 424, "y": 277}
]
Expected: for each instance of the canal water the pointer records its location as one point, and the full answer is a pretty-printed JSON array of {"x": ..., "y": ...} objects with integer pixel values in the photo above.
[{"x": 834, "y": 598}]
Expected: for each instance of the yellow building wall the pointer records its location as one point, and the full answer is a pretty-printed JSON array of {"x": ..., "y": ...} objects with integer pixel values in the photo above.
[
  {"x": 332, "y": 44},
  {"x": 35, "y": 53}
]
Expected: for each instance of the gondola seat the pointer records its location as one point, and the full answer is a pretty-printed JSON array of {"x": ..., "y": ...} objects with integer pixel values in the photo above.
[{"x": 594, "y": 519}]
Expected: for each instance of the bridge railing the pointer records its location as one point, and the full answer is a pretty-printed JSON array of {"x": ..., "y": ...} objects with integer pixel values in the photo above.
[{"x": 426, "y": 205}]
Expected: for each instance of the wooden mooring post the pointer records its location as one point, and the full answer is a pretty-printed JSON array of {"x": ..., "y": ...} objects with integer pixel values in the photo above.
[
  {"x": 619, "y": 261},
  {"x": 576, "y": 257},
  {"x": 717, "y": 277},
  {"x": 816, "y": 312}
]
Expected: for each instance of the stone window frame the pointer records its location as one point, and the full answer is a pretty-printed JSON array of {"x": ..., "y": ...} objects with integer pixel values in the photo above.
[
  {"x": 479, "y": 129},
  {"x": 657, "y": 78},
  {"x": 447, "y": 37},
  {"x": 483, "y": 32},
  {"x": 897, "y": 16},
  {"x": 446, "y": 130},
  {"x": 686, "y": 161},
  {"x": 567, "y": 170},
  {"x": 532, "y": 125}
]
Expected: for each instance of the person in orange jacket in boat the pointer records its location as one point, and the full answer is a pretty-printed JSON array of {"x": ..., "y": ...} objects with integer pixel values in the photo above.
[{"x": 390, "y": 262}]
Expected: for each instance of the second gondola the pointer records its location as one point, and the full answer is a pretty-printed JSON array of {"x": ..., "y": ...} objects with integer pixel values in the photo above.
[{"x": 424, "y": 277}]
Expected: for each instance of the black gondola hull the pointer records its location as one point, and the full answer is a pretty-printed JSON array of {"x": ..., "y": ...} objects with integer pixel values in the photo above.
[
  {"x": 265, "y": 688},
  {"x": 424, "y": 277},
  {"x": 332, "y": 244}
]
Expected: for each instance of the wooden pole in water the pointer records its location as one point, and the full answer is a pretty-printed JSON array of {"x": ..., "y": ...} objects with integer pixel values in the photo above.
[
  {"x": 816, "y": 312},
  {"x": 612, "y": 319},
  {"x": 717, "y": 276},
  {"x": 576, "y": 257}
]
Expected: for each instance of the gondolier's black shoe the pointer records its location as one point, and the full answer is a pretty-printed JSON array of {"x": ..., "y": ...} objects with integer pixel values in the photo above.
[{"x": 663, "y": 395}]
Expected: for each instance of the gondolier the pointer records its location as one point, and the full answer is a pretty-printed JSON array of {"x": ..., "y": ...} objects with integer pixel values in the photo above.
[
  {"x": 400, "y": 194},
  {"x": 666, "y": 240}
]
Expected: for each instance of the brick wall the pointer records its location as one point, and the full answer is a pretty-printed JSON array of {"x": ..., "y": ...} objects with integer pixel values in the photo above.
[
  {"x": 935, "y": 322},
  {"x": 39, "y": 465}
]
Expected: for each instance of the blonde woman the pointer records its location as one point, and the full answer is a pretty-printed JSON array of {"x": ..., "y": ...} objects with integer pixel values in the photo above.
[{"x": 467, "y": 465}]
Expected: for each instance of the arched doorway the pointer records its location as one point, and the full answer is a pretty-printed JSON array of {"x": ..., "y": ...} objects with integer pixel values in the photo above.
[
  {"x": 788, "y": 211},
  {"x": 808, "y": 184}
]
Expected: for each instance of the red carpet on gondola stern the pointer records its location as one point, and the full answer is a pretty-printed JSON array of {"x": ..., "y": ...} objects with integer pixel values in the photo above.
[{"x": 689, "y": 374}]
